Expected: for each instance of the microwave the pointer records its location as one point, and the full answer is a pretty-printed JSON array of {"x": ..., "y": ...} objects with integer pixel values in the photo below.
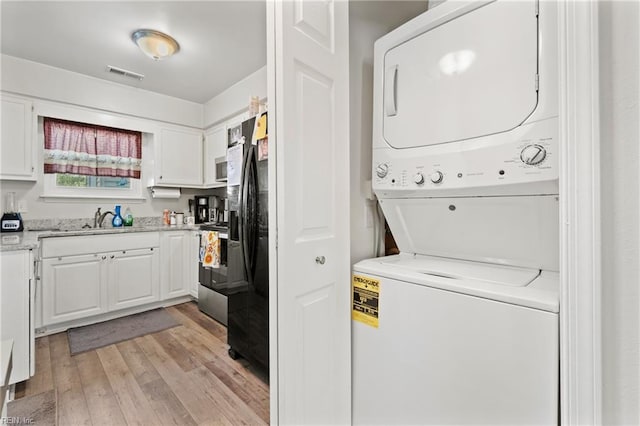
[{"x": 221, "y": 169}]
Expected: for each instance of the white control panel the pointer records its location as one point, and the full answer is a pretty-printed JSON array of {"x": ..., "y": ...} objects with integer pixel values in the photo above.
[{"x": 523, "y": 161}]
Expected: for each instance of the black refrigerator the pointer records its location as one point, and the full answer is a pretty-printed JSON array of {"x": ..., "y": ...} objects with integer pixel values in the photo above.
[{"x": 248, "y": 245}]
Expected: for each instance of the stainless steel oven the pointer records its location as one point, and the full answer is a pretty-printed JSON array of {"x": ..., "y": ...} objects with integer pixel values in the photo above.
[{"x": 212, "y": 291}]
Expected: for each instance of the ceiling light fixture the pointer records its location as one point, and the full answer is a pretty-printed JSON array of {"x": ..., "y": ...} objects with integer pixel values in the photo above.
[{"x": 155, "y": 44}]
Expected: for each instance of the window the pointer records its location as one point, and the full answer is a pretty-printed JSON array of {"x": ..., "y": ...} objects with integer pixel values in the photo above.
[
  {"x": 79, "y": 181},
  {"x": 83, "y": 160}
]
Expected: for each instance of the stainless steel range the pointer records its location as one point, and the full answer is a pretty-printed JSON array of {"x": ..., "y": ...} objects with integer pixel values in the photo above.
[{"x": 212, "y": 292}]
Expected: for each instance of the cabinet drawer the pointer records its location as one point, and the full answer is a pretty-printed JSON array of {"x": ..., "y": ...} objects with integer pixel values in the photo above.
[{"x": 90, "y": 244}]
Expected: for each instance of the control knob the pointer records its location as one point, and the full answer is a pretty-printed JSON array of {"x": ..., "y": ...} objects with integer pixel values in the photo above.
[
  {"x": 533, "y": 154},
  {"x": 382, "y": 169},
  {"x": 418, "y": 178},
  {"x": 436, "y": 177}
]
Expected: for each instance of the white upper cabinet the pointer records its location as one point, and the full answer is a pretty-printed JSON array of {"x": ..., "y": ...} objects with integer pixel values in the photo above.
[
  {"x": 179, "y": 157},
  {"x": 185, "y": 157},
  {"x": 16, "y": 146},
  {"x": 215, "y": 147}
]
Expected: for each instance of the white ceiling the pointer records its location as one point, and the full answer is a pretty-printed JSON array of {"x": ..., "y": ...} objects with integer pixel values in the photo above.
[{"x": 221, "y": 42}]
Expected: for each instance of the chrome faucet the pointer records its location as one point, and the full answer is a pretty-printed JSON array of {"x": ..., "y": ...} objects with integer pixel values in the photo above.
[
  {"x": 96, "y": 217},
  {"x": 102, "y": 216}
]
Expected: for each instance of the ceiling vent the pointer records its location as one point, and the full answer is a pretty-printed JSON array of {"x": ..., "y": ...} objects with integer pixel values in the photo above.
[{"x": 125, "y": 73}]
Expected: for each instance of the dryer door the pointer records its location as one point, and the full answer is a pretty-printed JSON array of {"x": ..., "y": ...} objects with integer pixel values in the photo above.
[{"x": 472, "y": 76}]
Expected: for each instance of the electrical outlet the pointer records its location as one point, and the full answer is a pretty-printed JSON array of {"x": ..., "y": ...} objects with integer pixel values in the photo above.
[{"x": 22, "y": 206}]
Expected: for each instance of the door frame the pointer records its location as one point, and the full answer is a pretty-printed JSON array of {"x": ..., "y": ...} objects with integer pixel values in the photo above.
[
  {"x": 272, "y": 34},
  {"x": 580, "y": 260}
]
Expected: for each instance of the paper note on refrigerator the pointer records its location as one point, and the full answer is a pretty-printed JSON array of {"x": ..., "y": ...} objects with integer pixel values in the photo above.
[
  {"x": 261, "y": 127},
  {"x": 234, "y": 165}
]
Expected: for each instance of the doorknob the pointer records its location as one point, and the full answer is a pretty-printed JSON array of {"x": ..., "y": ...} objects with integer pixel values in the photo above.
[{"x": 320, "y": 260}]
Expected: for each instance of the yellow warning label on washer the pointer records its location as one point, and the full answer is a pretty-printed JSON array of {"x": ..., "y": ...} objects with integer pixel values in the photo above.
[{"x": 366, "y": 295}]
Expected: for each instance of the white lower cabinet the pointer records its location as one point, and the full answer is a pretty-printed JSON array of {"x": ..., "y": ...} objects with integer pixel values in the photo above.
[
  {"x": 76, "y": 285},
  {"x": 16, "y": 319},
  {"x": 133, "y": 278},
  {"x": 174, "y": 246},
  {"x": 73, "y": 287}
]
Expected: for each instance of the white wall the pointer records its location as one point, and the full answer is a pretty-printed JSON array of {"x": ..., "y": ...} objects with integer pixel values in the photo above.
[
  {"x": 235, "y": 99},
  {"x": 29, "y": 78},
  {"x": 620, "y": 185},
  {"x": 63, "y": 94},
  {"x": 368, "y": 21}
]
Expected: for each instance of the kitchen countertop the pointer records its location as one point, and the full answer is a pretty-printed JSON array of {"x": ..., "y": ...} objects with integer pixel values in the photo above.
[{"x": 27, "y": 240}]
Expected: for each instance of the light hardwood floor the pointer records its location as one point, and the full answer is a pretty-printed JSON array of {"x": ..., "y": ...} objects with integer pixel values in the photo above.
[{"x": 180, "y": 376}]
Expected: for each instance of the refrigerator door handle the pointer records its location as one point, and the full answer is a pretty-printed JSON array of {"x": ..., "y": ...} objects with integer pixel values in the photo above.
[
  {"x": 252, "y": 207},
  {"x": 241, "y": 202},
  {"x": 247, "y": 214}
]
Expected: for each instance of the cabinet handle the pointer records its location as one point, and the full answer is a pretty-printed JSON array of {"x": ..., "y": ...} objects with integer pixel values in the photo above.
[
  {"x": 160, "y": 176},
  {"x": 104, "y": 257},
  {"x": 151, "y": 249},
  {"x": 124, "y": 252},
  {"x": 112, "y": 256}
]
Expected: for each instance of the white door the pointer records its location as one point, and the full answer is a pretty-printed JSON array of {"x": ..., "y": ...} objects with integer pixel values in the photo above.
[{"x": 310, "y": 75}]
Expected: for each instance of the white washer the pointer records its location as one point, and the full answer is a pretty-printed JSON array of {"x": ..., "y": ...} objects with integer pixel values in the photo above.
[
  {"x": 462, "y": 326},
  {"x": 457, "y": 342}
]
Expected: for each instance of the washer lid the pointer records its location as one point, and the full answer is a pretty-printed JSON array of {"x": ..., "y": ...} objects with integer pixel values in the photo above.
[
  {"x": 525, "y": 287},
  {"x": 472, "y": 76},
  {"x": 464, "y": 270}
]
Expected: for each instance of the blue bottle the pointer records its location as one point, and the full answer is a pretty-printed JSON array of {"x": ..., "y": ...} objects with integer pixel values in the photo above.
[{"x": 117, "y": 217}]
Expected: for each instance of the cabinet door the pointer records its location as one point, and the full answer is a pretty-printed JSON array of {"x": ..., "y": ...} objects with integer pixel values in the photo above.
[
  {"x": 194, "y": 262},
  {"x": 133, "y": 278},
  {"x": 16, "y": 145},
  {"x": 179, "y": 157},
  {"x": 175, "y": 255},
  {"x": 215, "y": 146},
  {"x": 15, "y": 321},
  {"x": 73, "y": 287}
]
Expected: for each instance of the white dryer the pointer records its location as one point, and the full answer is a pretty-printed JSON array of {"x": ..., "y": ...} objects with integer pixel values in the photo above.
[{"x": 462, "y": 326}]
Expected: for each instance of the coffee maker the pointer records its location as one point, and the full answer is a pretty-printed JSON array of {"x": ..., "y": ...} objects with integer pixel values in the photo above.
[
  {"x": 202, "y": 208},
  {"x": 218, "y": 210}
]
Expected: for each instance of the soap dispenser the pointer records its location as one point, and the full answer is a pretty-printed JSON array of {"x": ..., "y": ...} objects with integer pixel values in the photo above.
[
  {"x": 128, "y": 217},
  {"x": 117, "y": 217}
]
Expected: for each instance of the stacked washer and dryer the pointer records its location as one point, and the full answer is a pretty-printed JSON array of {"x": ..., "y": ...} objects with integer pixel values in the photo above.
[{"x": 462, "y": 326}]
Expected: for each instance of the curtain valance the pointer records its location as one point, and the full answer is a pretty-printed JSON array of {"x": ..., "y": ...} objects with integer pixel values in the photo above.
[{"x": 85, "y": 149}]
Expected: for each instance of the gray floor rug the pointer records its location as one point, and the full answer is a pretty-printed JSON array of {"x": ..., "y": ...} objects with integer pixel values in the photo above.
[
  {"x": 39, "y": 410},
  {"x": 106, "y": 333}
]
